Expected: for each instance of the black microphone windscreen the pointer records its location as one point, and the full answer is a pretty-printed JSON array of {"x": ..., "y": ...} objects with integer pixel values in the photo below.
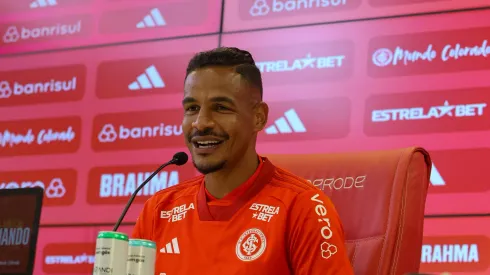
[{"x": 180, "y": 158}]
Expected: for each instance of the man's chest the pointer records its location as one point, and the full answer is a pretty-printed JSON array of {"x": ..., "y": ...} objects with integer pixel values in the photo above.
[{"x": 253, "y": 241}]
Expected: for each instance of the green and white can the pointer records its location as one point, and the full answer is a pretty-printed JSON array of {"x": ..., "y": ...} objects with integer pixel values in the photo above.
[
  {"x": 141, "y": 257},
  {"x": 111, "y": 253}
]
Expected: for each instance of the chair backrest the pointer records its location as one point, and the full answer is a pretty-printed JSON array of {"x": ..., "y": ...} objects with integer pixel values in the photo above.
[{"x": 380, "y": 197}]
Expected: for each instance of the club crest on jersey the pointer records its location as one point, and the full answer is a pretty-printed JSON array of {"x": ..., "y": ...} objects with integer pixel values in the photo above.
[{"x": 251, "y": 245}]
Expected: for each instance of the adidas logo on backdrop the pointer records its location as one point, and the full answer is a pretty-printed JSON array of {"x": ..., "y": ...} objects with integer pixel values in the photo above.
[
  {"x": 152, "y": 20},
  {"x": 42, "y": 4},
  {"x": 150, "y": 79},
  {"x": 287, "y": 124}
]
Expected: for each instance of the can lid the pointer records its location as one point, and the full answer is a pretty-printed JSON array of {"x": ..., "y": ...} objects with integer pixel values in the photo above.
[
  {"x": 145, "y": 243},
  {"x": 112, "y": 235}
]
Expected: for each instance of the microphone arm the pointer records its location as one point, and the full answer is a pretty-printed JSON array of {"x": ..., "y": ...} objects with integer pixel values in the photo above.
[{"x": 173, "y": 161}]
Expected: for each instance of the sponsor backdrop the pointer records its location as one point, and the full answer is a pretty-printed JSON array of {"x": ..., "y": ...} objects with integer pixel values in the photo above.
[{"x": 90, "y": 97}]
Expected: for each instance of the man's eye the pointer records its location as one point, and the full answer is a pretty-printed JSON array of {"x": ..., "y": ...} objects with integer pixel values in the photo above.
[
  {"x": 191, "y": 109},
  {"x": 222, "y": 108}
]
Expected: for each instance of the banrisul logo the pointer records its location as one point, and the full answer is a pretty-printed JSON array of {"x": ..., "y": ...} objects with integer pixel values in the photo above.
[
  {"x": 43, "y": 85},
  {"x": 138, "y": 130}
]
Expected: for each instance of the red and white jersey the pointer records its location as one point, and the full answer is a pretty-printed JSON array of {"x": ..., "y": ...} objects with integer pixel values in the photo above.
[{"x": 278, "y": 224}]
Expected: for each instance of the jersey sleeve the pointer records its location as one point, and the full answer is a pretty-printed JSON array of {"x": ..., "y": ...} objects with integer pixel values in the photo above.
[
  {"x": 316, "y": 237},
  {"x": 144, "y": 224}
]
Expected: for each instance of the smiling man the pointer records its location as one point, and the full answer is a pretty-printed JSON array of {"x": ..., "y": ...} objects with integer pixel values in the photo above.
[{"x": 243, "y": 215}]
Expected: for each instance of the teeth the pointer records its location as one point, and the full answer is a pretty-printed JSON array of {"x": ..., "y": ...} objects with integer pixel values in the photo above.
[{"x": 207, "y": 142}]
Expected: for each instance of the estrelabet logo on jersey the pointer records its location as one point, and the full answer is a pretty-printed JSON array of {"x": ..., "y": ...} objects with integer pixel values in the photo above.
[
  {"x": 251, "y": 245},
  {"x": 177, "y": 213},
  {"x": 264, "y": 212}
]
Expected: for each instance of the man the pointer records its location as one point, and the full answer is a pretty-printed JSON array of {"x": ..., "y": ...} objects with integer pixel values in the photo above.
[{"x": 244, "y": 215}]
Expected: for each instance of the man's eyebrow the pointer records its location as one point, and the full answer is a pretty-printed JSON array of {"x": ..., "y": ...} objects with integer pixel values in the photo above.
[
  {"x": 188, "y": 100},
  {"x": 216, "y": 99},
  {"x": 223, "y": 99}
]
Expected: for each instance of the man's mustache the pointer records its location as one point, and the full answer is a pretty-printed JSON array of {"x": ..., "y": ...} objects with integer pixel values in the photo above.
[{"x": 207, "y": 132}]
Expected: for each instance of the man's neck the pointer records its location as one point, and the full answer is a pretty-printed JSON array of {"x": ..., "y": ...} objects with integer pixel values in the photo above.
[{"x": 222, "y": 182}]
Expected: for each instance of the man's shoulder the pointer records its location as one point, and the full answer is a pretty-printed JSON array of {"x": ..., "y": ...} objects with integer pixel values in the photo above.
[
  {"x": 285, "y": 179},
  {"x": 186, "y": 188}
]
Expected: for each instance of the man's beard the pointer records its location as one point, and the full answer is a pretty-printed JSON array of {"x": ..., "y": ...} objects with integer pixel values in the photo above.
[{"x": 209, "y": 168}]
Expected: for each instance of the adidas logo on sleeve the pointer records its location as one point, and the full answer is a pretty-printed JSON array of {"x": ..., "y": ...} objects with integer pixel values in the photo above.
[
  {"x": 171, "y": 247},
  {"x": 150, "y": 79}
]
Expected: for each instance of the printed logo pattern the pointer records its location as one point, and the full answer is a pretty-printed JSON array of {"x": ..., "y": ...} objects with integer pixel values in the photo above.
[
  {"x": 171, "y": 247},
  {"x": 154, "y": 19},
  {"x": 289, "y": 123},
  {"x": 63, "y": 258},
  {"x": 138, "y": 130},
  {"x": 141, "y": 77},
  {"x": 59, "y": 185},
  {"x": 456, "y": 253},
  {"x": 45, "y": 85},
  {"x": 148, "y": 80},
  {"x": 47, "y": 29},
  {"x": 316, "y": 62},
  {"x": 40, "y": 136},
  {"x": 441, "y": 111},
  {"x": 255, "y": 9},
  {"x": 429, "y": 53},
  {"x": 115, "y": 184},
  {"x": 43, "y": 4},
  {"x": 293, "y": 121}
]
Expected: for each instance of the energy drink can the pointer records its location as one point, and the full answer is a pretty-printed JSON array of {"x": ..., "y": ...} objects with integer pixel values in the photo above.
[
  {"x": 111, "y": 253},
  {"x": 141, "y": 257}
]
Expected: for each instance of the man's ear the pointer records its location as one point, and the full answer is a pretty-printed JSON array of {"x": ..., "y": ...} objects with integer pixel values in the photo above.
[{"x": 261, "y": 116}]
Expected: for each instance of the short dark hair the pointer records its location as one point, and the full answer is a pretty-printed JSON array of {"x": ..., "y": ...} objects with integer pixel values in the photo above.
[{"x": 228, "y": 56}]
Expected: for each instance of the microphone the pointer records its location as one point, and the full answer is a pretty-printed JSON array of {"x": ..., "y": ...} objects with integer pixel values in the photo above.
[{"x": 178, "y": 159}]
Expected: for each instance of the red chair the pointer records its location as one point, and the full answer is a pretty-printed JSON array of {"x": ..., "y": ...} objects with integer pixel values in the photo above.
[{"x": 380, "y": 197}]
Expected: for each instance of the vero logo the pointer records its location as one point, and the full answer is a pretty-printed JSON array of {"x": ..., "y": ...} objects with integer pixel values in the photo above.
[
  {"x": 152, "y": 20},
  {"x": 313, "y": 119},
  {"x": 42, "y": 4},
  {"x": 148, "y": 80},
  {"x": 287, "y": 124}
]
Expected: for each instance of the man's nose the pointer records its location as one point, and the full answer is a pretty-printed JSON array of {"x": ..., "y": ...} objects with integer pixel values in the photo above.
[{"x": 203, "y": 121}]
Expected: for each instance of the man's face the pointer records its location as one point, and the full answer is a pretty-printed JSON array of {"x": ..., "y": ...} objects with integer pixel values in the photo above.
[{"x": 222, "y": 115}]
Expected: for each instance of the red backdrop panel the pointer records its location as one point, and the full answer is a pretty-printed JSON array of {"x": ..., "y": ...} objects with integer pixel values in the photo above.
[
  {"x": 457, "y": 246},
  {"x": 32, "y": 27},
  {"x": 254, "y": 14},
  {"x": 58, "y": 142},
  {"x": 73, "y": 254}
]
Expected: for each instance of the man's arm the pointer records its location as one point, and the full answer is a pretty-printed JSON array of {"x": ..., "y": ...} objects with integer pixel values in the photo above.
[
  {"x": 316, "y": 237},
  {"x": 144, "y": 224}
]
